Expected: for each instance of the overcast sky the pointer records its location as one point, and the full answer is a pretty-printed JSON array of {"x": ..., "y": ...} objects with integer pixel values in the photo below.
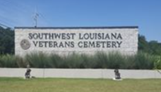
[{"x": 89, "y": 13}]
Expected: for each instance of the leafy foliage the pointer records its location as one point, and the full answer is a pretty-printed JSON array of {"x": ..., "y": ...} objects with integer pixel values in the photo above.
[
  {"x": 152, "y": 47},
  {"x": 99, "y": 60},
  {"x": 6, "y": 41},
  {"x": 8, "y": 61}
]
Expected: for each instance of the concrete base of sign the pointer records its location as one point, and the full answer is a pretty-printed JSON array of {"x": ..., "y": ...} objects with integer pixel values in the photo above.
[
  {"x": 117, "y": 79},
  {"x": 79, "y": 73}
]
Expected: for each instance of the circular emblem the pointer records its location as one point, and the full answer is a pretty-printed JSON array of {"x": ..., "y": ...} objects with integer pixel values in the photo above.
[{"x": 25, "y": 44}]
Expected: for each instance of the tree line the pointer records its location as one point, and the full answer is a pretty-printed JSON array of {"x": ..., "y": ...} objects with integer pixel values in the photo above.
[
  {"x": 151, "y": 47},
  {"x": 7, "y": 43}
]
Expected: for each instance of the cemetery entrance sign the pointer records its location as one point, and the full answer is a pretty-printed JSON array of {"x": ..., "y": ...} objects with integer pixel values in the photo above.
[{"x": 66, "y": 40}]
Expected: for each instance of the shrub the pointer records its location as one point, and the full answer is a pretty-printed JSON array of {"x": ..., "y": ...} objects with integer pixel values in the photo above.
[
  {"x": 116, "y": 60},
  {"x": 8, "y": 61},
  {"x": 157, "y": 63},
  {"x": 143, "y": 61},
  {"x": 99, "y": 60},
  {"x": 74, "y": 61},
  {"x": 88, "y": 61},
  {"x": 21, "y": 62},
  {"x": 57, "y": 61},
  {"x": 39, "y": 60}
]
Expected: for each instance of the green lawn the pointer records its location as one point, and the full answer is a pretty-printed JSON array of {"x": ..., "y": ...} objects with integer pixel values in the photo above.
[{"x": 79, "y": 85}]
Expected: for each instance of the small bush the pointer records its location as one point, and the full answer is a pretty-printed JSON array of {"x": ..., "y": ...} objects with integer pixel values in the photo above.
[
  {"x": 88, "y": 61},
  {"x": 8, "y": 61},
  {"x": 39, "y": 60},
  {"x": 116, "y": 60},
  {"x": 101, "y": 60},
  {"x": 21, "y": 62},
  {"x": 74, "y": 61},
  {"x": 157, "y": 62},
  {"x": 143, "y": 61},
  {"x": 57, "y": 61}
]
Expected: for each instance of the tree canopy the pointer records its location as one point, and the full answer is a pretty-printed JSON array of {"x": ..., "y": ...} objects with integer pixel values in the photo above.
[
  {"x": 6, "y": 41},
  {"x": 151, "y": 47}
]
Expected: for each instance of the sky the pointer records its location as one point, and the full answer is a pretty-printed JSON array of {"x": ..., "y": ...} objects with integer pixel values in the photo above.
[{"x": 146, "y": 14}]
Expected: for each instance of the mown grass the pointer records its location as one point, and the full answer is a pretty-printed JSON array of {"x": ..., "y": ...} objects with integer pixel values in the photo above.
[{"x": 79, "y": 85}]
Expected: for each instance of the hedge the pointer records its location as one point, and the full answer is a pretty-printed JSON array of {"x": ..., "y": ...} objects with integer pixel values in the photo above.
[{"x": 99, "y": 60}]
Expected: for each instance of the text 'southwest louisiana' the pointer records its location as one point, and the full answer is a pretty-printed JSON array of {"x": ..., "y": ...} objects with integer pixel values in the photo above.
[{"x": 84, "y": 40}]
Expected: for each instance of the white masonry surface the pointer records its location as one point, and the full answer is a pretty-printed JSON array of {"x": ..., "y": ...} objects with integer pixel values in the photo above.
[
  {"x": 128, "y": 40},
  {"x": 79, "y": 73}
]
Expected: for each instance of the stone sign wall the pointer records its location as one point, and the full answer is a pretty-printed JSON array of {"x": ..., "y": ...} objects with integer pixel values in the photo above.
[{"x": 66, "y": 40}]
